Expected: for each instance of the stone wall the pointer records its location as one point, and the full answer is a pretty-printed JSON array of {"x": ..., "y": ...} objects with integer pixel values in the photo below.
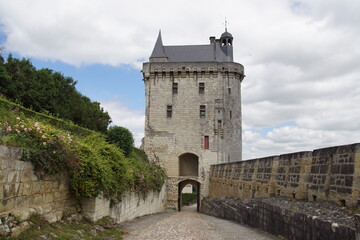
[
  {"x": 280, "y": 221},
  {"x": 128, "y": 208},
  {"x": 324, "y": 174},
  {"x": 22, "y": 192},
  {"x": 169, "y": 138}
]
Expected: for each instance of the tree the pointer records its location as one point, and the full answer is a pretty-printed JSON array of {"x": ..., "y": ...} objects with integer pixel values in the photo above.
[
  {"x": 122, "y": 138},
  {"x": 47, "y": 91}
]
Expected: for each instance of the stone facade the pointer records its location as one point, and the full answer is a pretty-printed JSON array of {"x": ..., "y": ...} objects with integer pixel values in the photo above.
[
  {"x": 331, "y": 174},
  {"x": 193, "y": 111}
]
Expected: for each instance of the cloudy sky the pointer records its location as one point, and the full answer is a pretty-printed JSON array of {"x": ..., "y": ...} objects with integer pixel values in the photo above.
[{"x": 301, "y": 58}]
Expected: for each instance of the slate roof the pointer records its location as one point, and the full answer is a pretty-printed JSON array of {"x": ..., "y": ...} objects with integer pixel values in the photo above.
[{"x": 193, "y": 53}]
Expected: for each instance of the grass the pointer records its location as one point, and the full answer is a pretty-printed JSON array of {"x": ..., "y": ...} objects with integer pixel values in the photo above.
[{"x": 67, "y": 230}]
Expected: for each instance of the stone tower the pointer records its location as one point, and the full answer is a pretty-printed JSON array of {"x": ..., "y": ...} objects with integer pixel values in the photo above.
[{"x": 193, "y": 111}]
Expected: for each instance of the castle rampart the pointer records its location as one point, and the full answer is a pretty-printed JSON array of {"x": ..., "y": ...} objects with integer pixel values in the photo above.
[{"x": 330, "y": 174}]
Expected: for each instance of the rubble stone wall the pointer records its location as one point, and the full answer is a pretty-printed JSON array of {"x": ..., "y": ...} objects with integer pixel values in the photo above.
[{"x": 331, "y": 174}]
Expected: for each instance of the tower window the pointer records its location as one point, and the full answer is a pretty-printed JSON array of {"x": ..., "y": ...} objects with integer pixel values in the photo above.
[
  {"x": 175, "y": 88},
  {"x": 206, "y": 142},
  {"x": 230, "y": 114},
  {"x": 201, "y": 88},
  {"x": 229, "y": 89},
  {"x": 169, "y": 111},
  {"x": 202, "y": 111}
]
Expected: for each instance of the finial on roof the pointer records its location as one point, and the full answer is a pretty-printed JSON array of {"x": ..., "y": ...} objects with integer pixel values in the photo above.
[
  {"x": 226, "y": 23},
  {"x": 158, "y": 51}
]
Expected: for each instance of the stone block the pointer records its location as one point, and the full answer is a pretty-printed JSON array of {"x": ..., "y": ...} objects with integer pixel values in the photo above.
[
  {"x": 38, "y": 199},
  {"x": 24, "y": 201},
  {"x": 48, "y": 197},
  {"x": 16, "y": 231},
  {"x": 10, "y": 190},
  {"x": 3, "y": 177},
  {"x": 27, "y": 176},
  {"x": 36, "y": 187},
  {"x": 56, "y": 185},
  {"x": 25, "y": 189},
  {"x": 22, "y": 214},
  {"x": 13, "y": 177},
  {"x": 53, "y": 217},
  {"x": 46, "y": 186},
  {"x": 7, "y": 204}
]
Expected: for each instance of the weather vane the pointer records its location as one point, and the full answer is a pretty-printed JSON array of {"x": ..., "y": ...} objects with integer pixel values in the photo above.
[{"x": 226, "y": 24}]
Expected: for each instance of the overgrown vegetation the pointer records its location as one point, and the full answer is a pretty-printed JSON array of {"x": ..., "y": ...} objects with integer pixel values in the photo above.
[
  {"x": 49, "y": 92},
  {"x": 96, "y": 167}
]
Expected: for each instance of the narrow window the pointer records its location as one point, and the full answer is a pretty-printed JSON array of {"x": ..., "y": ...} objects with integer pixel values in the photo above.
[
  {"x": 169, "y": 111},
  {"x": 219, "y": 123},
  {"x": 201, "y": 88},
  {"x": 230, "y": 114},
  {"x": 229, "y": 90},
  {"x": 175, "y": 88},
  {"x": 206, "y": 142},
  {"x": 202, "y": 111}
]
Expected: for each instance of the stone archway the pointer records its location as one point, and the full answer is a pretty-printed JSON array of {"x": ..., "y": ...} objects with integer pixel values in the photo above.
[
  {"x": 182, "y": 184},
  {"x": 188, "y": 165}
]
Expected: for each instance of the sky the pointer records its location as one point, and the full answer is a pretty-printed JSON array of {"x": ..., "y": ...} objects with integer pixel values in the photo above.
[{"x": 301, "y": 59}]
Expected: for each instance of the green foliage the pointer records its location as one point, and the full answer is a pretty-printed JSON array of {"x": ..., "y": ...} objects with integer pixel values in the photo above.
[
  {"x": 102, "y": 169},
  {"x": 139, "y": 154},
  {"x": 122, "y": 138},
  {"x": 50, "y": 92},
  {"x": 96, "y": 167},
  {"x": 188, "y": 198}
]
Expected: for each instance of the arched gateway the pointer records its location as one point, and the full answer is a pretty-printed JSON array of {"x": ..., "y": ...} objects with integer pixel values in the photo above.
[{"x": 196, "y": 185}]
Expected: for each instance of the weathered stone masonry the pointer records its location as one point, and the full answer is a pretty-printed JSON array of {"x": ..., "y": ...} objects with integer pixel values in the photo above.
[
  {"x": 331, "y": 174},
  {"x": 193, "y": 111}
]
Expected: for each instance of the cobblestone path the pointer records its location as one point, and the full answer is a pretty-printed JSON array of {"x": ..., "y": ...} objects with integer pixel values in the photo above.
[{"x": 188, "y": 225}]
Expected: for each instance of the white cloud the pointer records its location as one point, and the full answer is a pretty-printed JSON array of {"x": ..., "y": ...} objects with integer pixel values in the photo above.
[
  {"x": 301, "y": 57},
  {"x": 131, "y": 119}
]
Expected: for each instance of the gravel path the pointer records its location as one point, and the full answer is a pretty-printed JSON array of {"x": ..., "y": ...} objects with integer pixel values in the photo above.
[{"x": 188, "y": 225}]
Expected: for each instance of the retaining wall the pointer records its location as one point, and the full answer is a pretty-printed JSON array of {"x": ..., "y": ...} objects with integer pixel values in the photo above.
[
  {"x": 279, "y": 221},
  {"x": 331, "y": 174},
  {"x": 128, "y": 208},
  {"x": 22, "y": 191}
]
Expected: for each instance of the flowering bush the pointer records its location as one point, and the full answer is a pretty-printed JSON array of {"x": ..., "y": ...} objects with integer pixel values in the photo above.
[
  {"x": 49, "y": 149},
  {"x": 95, "y": 167}
]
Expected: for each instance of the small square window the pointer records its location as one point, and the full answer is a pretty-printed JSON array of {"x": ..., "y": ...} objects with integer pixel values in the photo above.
[
  {"x": 202, "y": 111},
  {"x": 169, "y": 111},
  {"x": 201, "y": 88},
  {"x": 175, "y": 88}
]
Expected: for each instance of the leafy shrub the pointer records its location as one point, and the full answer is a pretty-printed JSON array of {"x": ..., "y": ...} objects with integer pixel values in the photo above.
[
  {"x": 188, "y": 198},
  {"x": 96, "y": 167},
  {"x": 122, "y": 138}
]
